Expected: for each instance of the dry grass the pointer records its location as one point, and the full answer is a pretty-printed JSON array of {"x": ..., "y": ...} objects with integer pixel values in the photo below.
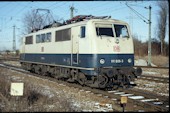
[
  {"x": 47, "y": 96},
  {"x": 34, "y": 99},
  {"x": 157, "y": 60},
  {"x": 160, "y": 60}
]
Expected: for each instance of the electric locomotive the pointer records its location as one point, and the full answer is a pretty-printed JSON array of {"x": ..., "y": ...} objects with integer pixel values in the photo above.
[{"x": 93, "y": 51}]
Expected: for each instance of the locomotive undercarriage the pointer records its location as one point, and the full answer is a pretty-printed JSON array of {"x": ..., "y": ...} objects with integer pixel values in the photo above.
[
  {"x": 117, "y": 77},
  {"x": 107, "y": 77}
]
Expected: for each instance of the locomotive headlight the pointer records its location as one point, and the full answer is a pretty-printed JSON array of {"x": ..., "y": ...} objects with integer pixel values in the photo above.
[
  {"x": 102, "y": 61},
  {"x": 129, "y": 60}
]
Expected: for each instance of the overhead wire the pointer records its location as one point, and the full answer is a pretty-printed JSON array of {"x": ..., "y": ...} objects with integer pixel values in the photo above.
[
  {"x": 14, "y": 17},
  {"x": 11, "y": 9},
  {"x": 93, "y": 8},
  {"x": 136, "y": 5},
  {"x": 63, "y": 3},
  {"x": 111, "y": 10},
  {"x": 138, "y": 14},
  {"x": 103, "y": 9},
  {"x": 62, "y": 12},
  {"x": 57, "y": 7},
  {"x": 51, "y": 5},
  {"x": 22, "y": 8}
]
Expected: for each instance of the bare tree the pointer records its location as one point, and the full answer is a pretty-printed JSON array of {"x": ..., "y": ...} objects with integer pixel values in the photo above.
[
  {"x": 162, "y": 22},
  {"x": 37, "y": 19},
  {"x": 34, "y": 20}
]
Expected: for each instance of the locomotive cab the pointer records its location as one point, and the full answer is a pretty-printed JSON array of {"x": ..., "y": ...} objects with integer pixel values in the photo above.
[
  {"x": 114, "y": 44},
  {"x": 113, "y": 53}
]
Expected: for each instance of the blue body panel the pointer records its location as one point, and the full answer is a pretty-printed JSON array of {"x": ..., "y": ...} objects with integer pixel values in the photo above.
[{"x": 85, "y": 60}]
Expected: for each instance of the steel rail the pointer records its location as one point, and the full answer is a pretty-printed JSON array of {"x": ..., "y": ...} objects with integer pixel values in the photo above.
[
  {"x": 152, "y": 67},
  {"x": 155, "y": 79}
]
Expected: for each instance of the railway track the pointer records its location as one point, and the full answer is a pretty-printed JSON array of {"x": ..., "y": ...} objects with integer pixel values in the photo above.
[
  {"x": 153, "y": 67},
  {"x": 155, "y": 79},
  {"x": 9, "y": 59},
  {"x": 147, "y": 77},
  {"x": 137, "y": 100}
]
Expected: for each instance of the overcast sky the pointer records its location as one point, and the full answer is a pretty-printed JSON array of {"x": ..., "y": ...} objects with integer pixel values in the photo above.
[{"x": 12, "y": 13}]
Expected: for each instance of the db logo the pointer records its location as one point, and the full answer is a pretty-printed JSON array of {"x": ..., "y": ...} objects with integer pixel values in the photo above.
[{"x": 116, "y": 48}]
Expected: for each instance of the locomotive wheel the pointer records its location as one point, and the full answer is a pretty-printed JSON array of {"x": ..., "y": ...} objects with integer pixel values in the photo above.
[
  {"x": 67, "y": 72},
  {"x": 82, "y": 78},
  {"x": 56, "y": 73},
  {"x": 32, "y": 70},
  {"x": 102, "y": 80},
  {"x": 43, "y": 71},
  {"x": 110, "y": 73},
  {"x": 116, "y": 86},
  {"x": 127, "y": 82},
  {"x": 39, "y": 71},
  {"x": 73, "y": 76}
]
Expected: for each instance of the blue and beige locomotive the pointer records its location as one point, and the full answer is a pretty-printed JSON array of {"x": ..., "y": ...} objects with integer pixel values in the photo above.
[{"x": 96, "y": 52}]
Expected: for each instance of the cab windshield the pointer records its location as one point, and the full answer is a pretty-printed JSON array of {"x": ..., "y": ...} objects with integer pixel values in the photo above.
[
  {"x": 104, "y": 30},
  {"x": 121, "y": 31},
  {"x": 107, "y": 30}
]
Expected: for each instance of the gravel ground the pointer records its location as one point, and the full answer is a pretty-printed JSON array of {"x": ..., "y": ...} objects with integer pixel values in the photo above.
[
  {"x": 14, "y": 63},
  {"x": 156, "y": 72},
  {"x": 158, "y": 88}
]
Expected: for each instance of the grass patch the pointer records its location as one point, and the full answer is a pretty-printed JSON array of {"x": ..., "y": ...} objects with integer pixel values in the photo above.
[
  {"x": 157, "y": 60},
  {"x": 36, "y": 98}
]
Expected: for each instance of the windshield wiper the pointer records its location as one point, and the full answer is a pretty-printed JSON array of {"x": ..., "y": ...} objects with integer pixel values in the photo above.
[
  {"x": 126, "y": 36},
  {"x": 106, "y": 35},
  {"x": 99, "y": 32}
]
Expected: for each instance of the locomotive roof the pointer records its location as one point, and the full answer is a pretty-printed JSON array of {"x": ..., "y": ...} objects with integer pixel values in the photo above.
[{"x": 79, "y": 23}]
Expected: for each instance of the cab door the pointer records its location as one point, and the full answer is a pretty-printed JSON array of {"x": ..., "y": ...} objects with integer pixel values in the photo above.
[{"x": 75, "y": 45}]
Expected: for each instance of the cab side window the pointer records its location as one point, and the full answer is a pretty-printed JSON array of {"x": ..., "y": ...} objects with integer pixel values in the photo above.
[
  {"x": 29, "y": 40},
  {"x": 83, "y": 31},
  {"x": 63, "y": 35}
]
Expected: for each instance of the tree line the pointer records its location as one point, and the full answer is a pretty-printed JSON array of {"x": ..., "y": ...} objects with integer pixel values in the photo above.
[{"x": 141, "y": 48}]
